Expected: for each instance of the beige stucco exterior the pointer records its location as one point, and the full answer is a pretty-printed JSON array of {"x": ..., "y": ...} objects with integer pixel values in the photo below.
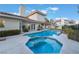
[
  {"x": 10, "y": 24},
  {"x": 37, "y": 17}
]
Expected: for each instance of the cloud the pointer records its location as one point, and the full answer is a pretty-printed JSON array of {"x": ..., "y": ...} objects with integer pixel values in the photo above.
[
  {"x": 27, "y": 11},
  {"x": 64, "y": 18},
  {"x": 33, "y": 10},
  {"x": 61, "y": 18},
  {"x": 54, "y": 8},
  {"x": 14, "y": 13},
  {"x": 44, "y": 11}
]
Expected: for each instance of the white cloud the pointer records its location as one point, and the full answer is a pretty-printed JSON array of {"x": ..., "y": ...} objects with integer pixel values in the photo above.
[
  {"x": 64, "y": 18},
  {"x": 44, "y": 11},
  {"x": 27, "y": 11},
  {"x": 33, "y": 10},
  {"x": 61, "y": 18},
  {"x": 54, "y": 8},
  {"x": 14, "y": 13}
]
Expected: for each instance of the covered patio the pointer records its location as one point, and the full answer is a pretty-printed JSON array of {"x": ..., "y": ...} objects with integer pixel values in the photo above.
[{"x": 33, "y": 25}]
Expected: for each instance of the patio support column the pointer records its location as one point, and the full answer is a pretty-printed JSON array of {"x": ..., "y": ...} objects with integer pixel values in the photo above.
[
  {"x": 44, "y": 26},
  {"x": 36, "y": 26},
  {"x": 30, "y": 27},
  {"x": 21, "y": 29}
]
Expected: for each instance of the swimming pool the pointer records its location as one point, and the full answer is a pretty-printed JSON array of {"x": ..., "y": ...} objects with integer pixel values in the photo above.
[
  {"x": 43, "y": 33},
  {"x": 40, "y": 42}
]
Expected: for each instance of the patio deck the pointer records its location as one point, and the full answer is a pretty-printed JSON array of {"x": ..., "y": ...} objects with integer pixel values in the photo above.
[
  {"x": 14, "y": 45},
  {"x": 69, "y": 46}
]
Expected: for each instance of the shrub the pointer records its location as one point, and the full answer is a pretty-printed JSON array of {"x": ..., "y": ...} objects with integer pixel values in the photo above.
[
  {"x": 75, "y": 27},
  {"x": 68, "y": 30},
  {"x": 9, "y": 33},
  {"x": 72, "y": 32},
  {"x": 75, "y": 35}
]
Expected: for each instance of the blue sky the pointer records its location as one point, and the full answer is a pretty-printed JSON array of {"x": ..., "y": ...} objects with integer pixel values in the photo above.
[{"x": 52, "y": 10}]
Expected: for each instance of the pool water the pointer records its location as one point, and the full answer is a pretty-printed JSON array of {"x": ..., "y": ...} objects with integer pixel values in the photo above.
[
  {"x": 43, "y": 33},
  {"x": 44, "y": 45},
  {"x": 41, "y": 43}
]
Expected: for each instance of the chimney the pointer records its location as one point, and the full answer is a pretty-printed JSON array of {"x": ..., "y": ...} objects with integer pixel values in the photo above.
[{"x": 22, "y": 10}]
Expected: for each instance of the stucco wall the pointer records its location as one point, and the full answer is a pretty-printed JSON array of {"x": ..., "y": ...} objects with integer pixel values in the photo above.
[
  {"x": 37, "y": 17},
  {"x": 10, "y": 24}
]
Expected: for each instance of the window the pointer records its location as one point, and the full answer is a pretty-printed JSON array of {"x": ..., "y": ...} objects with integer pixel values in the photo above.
[{"x": 1, "y": 23}]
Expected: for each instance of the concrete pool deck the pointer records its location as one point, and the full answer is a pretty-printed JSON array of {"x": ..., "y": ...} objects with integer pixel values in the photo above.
[
  {"x": 16, "y": 45},
  {"x": 69, "y": 46}
]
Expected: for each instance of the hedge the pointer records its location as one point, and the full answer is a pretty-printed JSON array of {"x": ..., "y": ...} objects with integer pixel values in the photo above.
[
  {"x": 9, "y": 33},
  {"x": 75, "y": 35},
  {"x": 72, "y": 32}
]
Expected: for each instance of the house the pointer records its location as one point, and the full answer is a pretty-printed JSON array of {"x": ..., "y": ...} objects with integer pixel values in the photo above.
[
  {"x": 52, "y": 24},
  {"x": 36, "y": 20},
  {"x": 39, "y": 17},
  {"x": 9, "y": 21},
  {"x": 59, "y": 23}
]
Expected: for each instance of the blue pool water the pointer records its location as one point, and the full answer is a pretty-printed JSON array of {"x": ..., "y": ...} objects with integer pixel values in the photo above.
[
  {"x": 40, "y": 44},
  {"x": 43, "y": 33},
  {"x": 44, "y": 45}
]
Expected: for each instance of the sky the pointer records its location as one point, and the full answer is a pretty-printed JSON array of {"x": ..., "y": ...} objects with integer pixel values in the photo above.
[{"x": 53, "y": 11}]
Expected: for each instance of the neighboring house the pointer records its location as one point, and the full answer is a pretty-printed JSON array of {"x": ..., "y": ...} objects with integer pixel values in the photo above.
[
  {"x": 52, "y": 24},
  {"x": 61, "y": 22},
  {"x": 36, "y": 20}
]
